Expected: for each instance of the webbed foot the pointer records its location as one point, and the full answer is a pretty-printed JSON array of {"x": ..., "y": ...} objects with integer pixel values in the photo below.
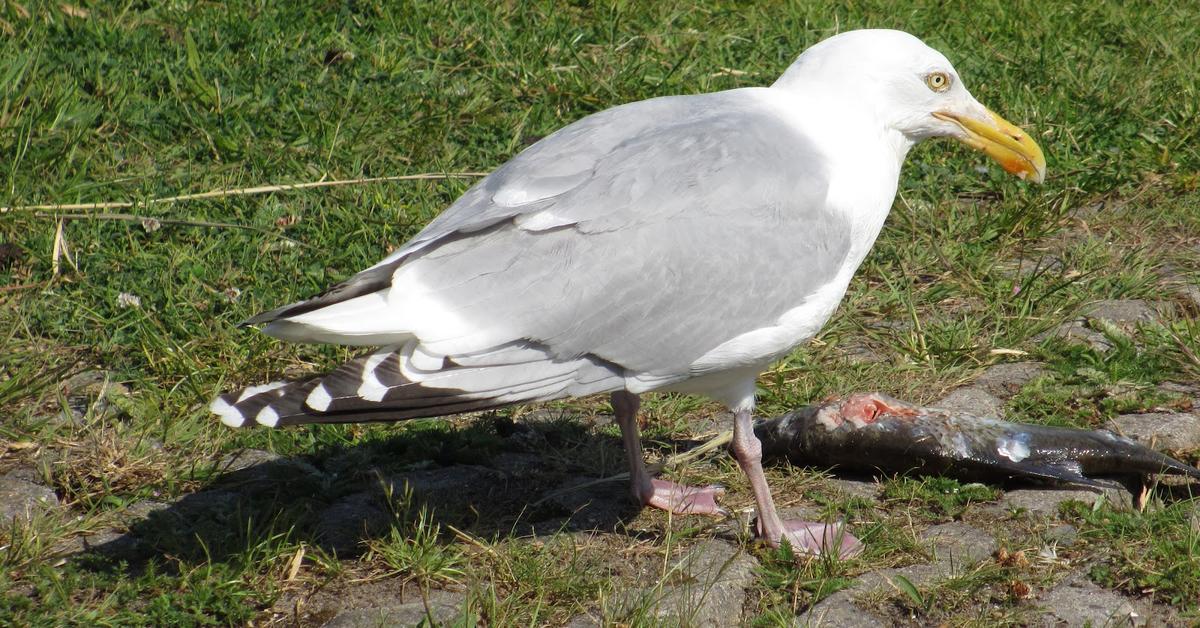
[
  {"x": 681, "y": 499},
  {"x": 815, "y": 539}
]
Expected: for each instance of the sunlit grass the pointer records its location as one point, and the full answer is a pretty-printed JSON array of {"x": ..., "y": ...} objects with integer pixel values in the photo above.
[{"x": 113, "y": 102}]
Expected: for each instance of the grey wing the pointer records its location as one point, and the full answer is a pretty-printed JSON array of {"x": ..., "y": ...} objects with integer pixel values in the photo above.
[
  {"x": 641, "y": 240},
  {"x": 557, "y": 164},
  {"x": 528, "y": 183}
]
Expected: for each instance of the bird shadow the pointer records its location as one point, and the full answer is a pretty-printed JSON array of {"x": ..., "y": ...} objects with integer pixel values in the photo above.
[{"x": 492, "y": 479}]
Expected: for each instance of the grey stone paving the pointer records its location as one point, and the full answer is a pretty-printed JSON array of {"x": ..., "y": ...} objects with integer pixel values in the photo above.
[
  {"x": 957, "y": 543},
  {"x": 1079, "y": 333},
  {"x": 861, "y": 489},
  {"x": 1125, "y": 315},
  {"x": 707, "y": 588},
  {"x": 1048, "y": 501},
  {"x": 837, "y": 611},
  {"x": 1126, "y": 312},
  {"x": 1006, "y": 379},
  {"x": 384, "y": 603},
  {"x": 343, "y": 526},
  {"x": 1079, "y": 602},
  {"x": 972, "y": 400},
  {"x": 23, "y": 500},
  {"x": 1160, "y": 430}
]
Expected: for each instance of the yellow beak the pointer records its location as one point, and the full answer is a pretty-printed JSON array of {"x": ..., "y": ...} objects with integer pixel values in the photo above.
[{"x": 1001, "y": 140}]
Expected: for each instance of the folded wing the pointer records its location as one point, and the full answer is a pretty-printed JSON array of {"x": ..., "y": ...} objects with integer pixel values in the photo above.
[{"x": 632, "y": 242}]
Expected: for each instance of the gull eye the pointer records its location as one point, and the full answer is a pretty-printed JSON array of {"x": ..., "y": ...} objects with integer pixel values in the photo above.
[{"x": 938, "y": 81}]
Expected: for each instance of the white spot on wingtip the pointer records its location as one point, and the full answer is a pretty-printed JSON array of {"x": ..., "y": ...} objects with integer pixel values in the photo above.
[
  {"x": 230, "y": 416},
  {"x": 319, "y": 399},
  {"x": 372, "y": 389},
  {"x": 267, "y": 417},
  {"x": 250, "y": 391}
]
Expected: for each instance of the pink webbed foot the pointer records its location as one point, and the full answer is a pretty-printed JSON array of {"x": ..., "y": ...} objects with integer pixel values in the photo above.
[
  {"x": 819, "y": 539},
  {"x": 682, "y": 500},
  {"x": 669, "y": 496}
]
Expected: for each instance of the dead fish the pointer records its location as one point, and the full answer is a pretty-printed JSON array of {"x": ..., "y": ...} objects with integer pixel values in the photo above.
[{"x": 876, "y": 432}]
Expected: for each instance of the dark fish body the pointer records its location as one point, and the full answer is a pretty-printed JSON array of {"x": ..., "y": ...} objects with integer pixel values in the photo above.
[{"x": 875, "y": 432}]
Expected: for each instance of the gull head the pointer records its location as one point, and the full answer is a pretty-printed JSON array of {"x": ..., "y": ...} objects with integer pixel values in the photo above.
[{"x": 910, "y": 89}]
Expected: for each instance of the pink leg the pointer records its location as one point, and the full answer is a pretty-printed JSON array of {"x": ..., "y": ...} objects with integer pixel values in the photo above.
[
  {"x": 804, "y": 536},
  {"x": 648, "y": 491}
]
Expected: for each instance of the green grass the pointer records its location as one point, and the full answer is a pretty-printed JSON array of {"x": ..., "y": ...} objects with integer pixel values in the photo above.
[
  {"x": 138, "y": 101},
  {"x": 1155, "y": 553},
  {"x": 935, "y": 498},
  {"x": 413, "y": 548},
  {"x": 1097, "y": 385}
]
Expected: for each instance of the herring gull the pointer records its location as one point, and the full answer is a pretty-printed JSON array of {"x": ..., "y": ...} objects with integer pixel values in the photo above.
[{"x": 676, "y": 244}]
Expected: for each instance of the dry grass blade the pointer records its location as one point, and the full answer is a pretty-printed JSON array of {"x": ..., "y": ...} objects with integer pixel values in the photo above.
[
  {"x": 60, "y": 250},
  {"x": 165, "y": 221},
  {"x": 23, "y": 286},
  {"x": 1185, "y": 349},
  {"x": 105, "y": 461},
  {"x": 295, "y": 564},
  {"x": 261, "y": 189}
]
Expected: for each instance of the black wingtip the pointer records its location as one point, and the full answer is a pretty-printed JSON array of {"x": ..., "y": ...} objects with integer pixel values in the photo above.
[
  {"x": 257, "y": 319},
  {"x": 271, "y": 316}
]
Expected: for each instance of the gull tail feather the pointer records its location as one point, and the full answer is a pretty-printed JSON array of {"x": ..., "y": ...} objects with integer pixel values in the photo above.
[{"x": 394, "y": 384}]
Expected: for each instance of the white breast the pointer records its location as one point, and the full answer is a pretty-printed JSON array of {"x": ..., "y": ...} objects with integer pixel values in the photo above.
[{"x": 865, "y": 173}]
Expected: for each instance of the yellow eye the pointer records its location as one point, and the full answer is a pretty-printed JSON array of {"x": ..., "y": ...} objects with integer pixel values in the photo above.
[{"x": 938, "y": 81}]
